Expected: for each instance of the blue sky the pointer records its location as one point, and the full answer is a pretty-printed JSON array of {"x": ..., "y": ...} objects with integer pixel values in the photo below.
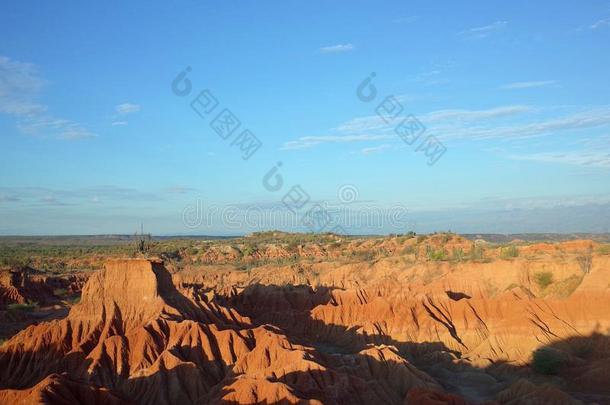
[{"x": 95, "y": 141}]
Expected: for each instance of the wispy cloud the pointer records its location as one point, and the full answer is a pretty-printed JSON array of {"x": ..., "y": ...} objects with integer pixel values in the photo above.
[
  {"x": 309, "y": 141},
  {"x": 475, "y": 115},
  {"x": 605, "y": 22},
  {"x": 127, "y": 108},
  {"x": 431, "y": 78},
  {"x": 52, "y": 196},
  {"x": 484, "y": 31},
  {"x": 178, "y": 190},
  {"x": 9, "y": 198},
  {"x": 374, "y": 123},
  {"x": 375, "y": 149},
  {"x": 20, "y": 88},
  {"x": 362, "y": 124},
  {"x": 456, "y": 124},
  {"x": 596, "y": 117},
  {"x": 587, "y": 159},
  {"x": 57, "y": 127},
  {"x": 337, "y": 48},
  {"x": 122, "y": 110},
  {"x": 528, "y": 85},
  {"x": 483, "y": 124}
]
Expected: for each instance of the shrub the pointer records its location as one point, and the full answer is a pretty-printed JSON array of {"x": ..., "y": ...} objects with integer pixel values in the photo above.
[
  {"x": 435, "y": 255},
  {"x": 29, "y": 307},
  {"x": 564, "y": 288},
  {"x": 408, "y": 250},
  {"x": 421, "y": 238},
  {"x": 458, "y": 254},
  {"x": 60, "y": 292},
  {"x": 249, "y": 250},
  {"x": 544, "y": 279},
  {"x": 364, "y": 255},
  {"x": 583, "y": 348},
  {"x": 509, "y": 252},
  {"x": 477, "y": 252},
  {"x": 548, "y": 361}
]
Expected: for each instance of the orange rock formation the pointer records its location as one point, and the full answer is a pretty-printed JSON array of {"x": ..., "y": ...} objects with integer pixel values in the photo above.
[{"x": 390, "y": 329}]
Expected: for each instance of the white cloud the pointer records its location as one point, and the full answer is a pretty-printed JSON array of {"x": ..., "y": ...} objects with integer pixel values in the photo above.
[
  {"x": 362, "y": 124},
  {"x": 375, "y": 149},
  {"x": 455, "y": 124},
  {"x": 588, "y": 159},
  {"x": 600, "y": 24},
  {"x": 591, "y": 118},
  {"x": 20, "y": 88},
  {"x": 374, "y": 123},
  {"x": 56, "y": 127},
  {"x": 79, "y": 195},
  {"x": 475, "y": 115},
  {"x": 127, "y": 108},
  {"x": 75, "y": 131},
  {"x": 337, "y": 48},
  {"x": 309, "y": 141},
  {"x": 119, "y": 123},
  {"x": 486, "y": 30},
  {"x": 528, "y": 85}
]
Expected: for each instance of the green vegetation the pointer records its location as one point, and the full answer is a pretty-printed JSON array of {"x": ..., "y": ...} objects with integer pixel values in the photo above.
[
  {"x": 543, "y": 279},
  {"x": 56, "y": 253},
  {"x": 60, "y": 292},
  {"x": 405, "y": 236},
  {"x": 279, "y": 237},
  {"x": 564, "y": 288},
  {"x": 436, "y": 255},
  {"x": 363, "y": 255},
  {"x": 509, "y": 252},
  {"x": 548, "y": 361},
  {"x": 28, "y": 307},
  {"x": 249, "y": 250},
  {"x": 603, "y": 249}
]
